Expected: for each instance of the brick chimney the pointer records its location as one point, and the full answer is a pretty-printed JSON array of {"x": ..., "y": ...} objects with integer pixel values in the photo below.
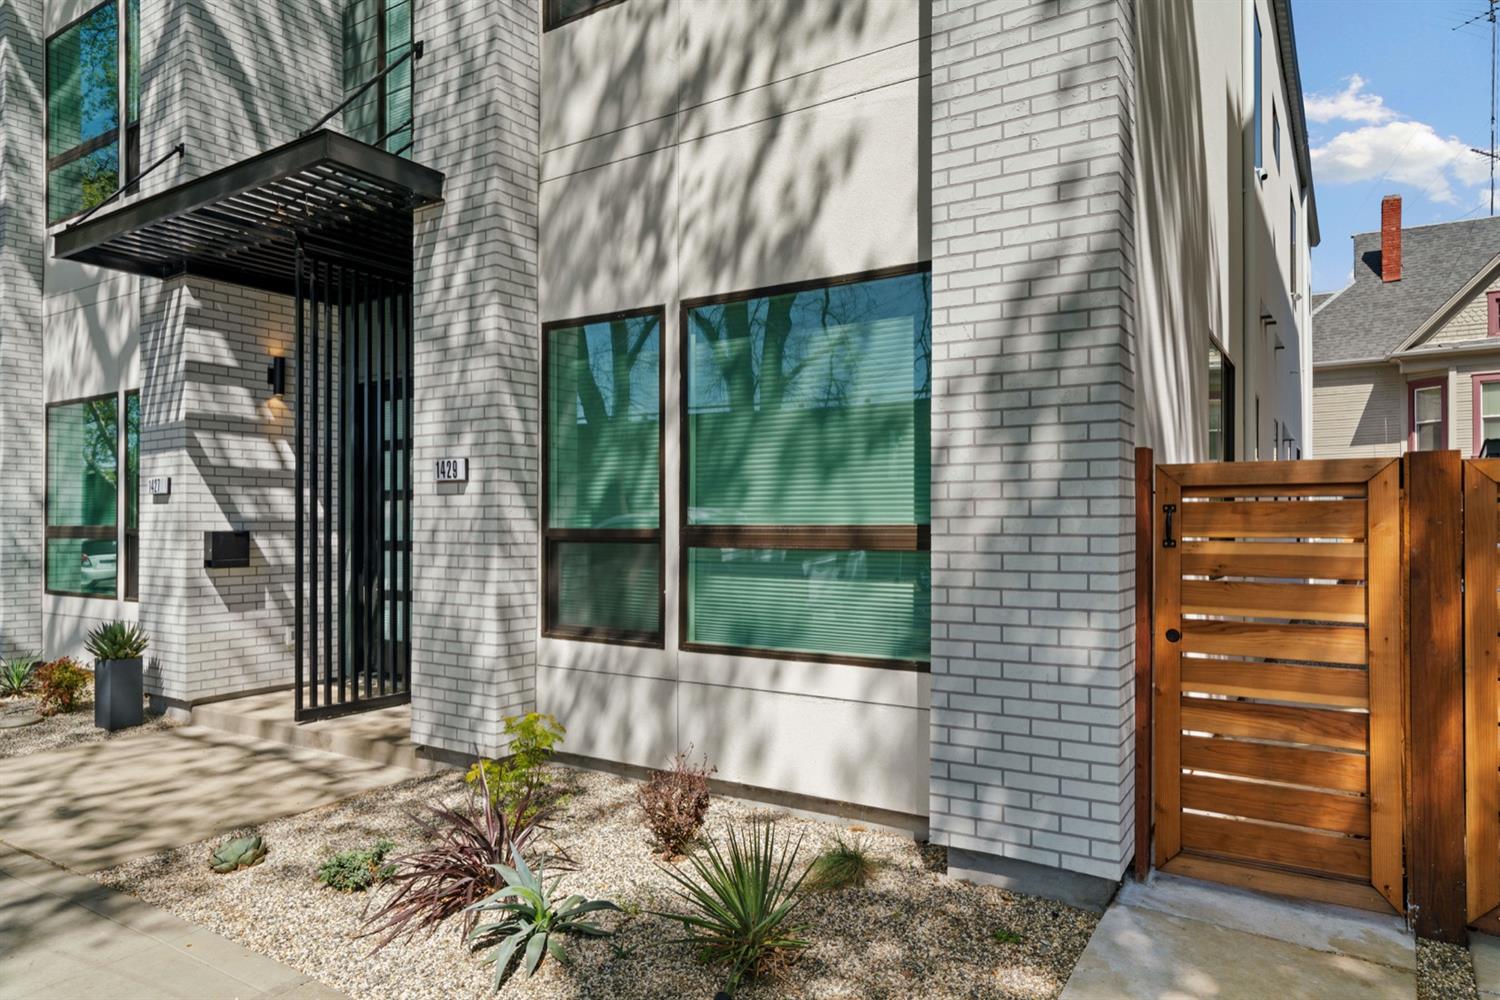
[{"x": 1390, "y": 238}]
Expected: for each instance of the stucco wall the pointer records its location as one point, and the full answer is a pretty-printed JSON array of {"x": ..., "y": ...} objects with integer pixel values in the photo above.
[{"x": 698, "y": 148}]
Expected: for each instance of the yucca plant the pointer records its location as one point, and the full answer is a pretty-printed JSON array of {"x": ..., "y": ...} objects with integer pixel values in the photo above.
[
  {"x": 116, "y": 641},
  {"x": 458, "y": 868},
  {"x": 16, "y": 674},
  {"x": 532, "y": 922},
  {"x": 741, "y": 903},
  {"x": 846, "y": 862}
]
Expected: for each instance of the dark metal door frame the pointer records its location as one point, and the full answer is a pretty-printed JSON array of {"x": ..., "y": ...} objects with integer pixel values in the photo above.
[{"x": 353, "y": 571}]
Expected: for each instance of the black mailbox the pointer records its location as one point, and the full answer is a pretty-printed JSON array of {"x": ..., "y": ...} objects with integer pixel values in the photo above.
[{"x": 223, "y": 549}]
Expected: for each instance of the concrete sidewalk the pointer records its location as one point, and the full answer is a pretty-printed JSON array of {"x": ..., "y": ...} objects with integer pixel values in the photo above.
[
  {"x": 1179, "y": 938},
  {"x": 65, "y": 936},
  {"x": 97, "y": 805}
]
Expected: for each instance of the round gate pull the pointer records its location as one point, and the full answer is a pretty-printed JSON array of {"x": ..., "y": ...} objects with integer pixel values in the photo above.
[{"x": 1173, "y": 635}]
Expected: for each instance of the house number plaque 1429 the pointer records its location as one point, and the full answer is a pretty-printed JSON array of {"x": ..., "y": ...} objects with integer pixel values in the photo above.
[{"x": 452, "y": 470}]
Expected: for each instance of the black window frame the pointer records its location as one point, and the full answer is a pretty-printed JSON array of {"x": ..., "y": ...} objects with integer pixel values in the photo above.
[
  {"x": 853, "y": 538},
  {"x": 551, "y": 537},
  {"x": 1226, "y": 403},
  {"x": 114, "y": 531},
  {"x": 552, "y": 17},
  {"x": 127, "y": 139},
  {"x": 382, "y": 89}
]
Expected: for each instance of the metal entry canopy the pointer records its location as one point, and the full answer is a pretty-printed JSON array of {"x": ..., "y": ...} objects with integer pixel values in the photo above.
[{"x": 338, "y": 196}]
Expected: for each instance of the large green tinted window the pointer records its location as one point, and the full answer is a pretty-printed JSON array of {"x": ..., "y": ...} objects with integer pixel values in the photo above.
[
  {"x": 807, "y": 448},
  {"x": 83, "y": 489},
  {"x": 83, "y": 113},
  {"x": 603, "y": 479},
  {"x": 376, "y": 34}
]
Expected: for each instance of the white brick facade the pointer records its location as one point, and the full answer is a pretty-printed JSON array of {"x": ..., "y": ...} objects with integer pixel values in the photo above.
[
  {"x": 21, "y": 248},
  {"x": 475, "y": 544},
  {"x": 1033, "y": 275}
]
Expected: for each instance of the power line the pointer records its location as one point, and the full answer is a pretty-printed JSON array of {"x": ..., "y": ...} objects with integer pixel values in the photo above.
[{"x": 1488, "y": 15}]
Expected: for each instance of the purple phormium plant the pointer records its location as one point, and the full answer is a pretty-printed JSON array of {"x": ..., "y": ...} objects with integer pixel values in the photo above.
[{"x": 455, "y": 869}]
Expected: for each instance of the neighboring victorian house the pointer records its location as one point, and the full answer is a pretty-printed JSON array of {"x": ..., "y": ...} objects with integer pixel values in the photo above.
[{"x": 1407, "y": 356}]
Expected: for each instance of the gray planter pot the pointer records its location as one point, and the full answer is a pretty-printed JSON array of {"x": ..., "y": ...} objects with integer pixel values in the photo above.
[{"x": 118, "y": 694}]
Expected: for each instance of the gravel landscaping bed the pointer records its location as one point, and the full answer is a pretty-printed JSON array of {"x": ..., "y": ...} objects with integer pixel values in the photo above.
[
  {"x": 55, "y": 732},
  {"x": 909, "y": 932},
  {"x": 1445, "y": 972}
]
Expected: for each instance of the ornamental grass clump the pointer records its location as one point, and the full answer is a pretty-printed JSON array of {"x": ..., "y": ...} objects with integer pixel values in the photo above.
[
  {"x": 457, "y": 869},
  {"x": 532, "y": 922},
  {"x": 18, "y": 674},
  {"x": 846, "y": 863},
  {"x": 741, "y": 902},
  {"x": 675, "y": 801},
  {"x": 59, "y": 684}
]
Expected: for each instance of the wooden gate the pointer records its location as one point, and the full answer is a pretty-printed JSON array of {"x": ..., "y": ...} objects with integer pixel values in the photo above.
[{"x": 1277, "y": 652}]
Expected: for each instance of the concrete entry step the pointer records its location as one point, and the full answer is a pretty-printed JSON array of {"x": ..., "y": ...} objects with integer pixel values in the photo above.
[{"x": 381, "y": 736}]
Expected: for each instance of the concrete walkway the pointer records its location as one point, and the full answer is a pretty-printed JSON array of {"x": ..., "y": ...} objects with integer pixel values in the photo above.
[
  {"x": 89, "y": 807},
  {"x": 1177, "y": 938},
  {"x": 1485, "y": 949}
]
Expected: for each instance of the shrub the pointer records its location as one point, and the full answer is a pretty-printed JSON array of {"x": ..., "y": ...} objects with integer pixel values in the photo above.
[
  {"x": 116, "y": 641},
  {"x": 16, "y": 675},
  {"x": 1006, "y": 937},
  {"x": 58, "y": 684},
  {"x": 356, "y": 871},
  {"x": 847, "y": 862},
  {"x": 532, "y": 737},
  {"x": 532, "y": 918},
  {"x": 675, "y": 802},
  {"x": 458, "y": 868},
  {"x": 740, "y": 903},
  {"x": 237, "y": 853}
]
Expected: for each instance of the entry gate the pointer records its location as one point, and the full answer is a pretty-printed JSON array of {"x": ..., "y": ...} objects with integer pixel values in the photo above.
[
  {"x": 352, "y": 410},
  {"x": 1277, "y": 648}
]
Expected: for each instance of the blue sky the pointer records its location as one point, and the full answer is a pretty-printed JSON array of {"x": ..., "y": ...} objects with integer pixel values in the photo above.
[{"x": 1395, "y": 96}]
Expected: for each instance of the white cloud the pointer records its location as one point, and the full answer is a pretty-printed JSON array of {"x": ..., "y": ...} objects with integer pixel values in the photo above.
[
  {"x": 1384, "y": 145},
  {"x": 1348, "y": 104}
]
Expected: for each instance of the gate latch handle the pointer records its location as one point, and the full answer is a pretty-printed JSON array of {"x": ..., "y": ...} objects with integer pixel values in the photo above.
[{"x": 1167, "y": 541}]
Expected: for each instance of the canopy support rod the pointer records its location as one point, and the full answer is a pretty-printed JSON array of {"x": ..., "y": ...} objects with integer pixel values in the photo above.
[
  {"x": 415, "y": 52},
  {"x": 177, "y": 150}
]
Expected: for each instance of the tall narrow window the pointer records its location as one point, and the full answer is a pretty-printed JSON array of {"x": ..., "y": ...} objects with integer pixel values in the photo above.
[
  {"x": 1258, "y": 126},
  {"x": 806, "y": 471},
  {"x": 1292, "y": 200},
  {"x": 1427, "y": 412},
  {"x": 1220, "y": 406},
  {"x": 602, "y": 503},
  {"x": 83, "y": 440},
  {"x": 132, "y": 491},
  {"x": 1275, "y": 135},
  {"x": 1492, "y": 313},
  {"x": 83, "y": 112},
  {"x": 1487, "y": 415},
  {"x": 376, "y": 34}
]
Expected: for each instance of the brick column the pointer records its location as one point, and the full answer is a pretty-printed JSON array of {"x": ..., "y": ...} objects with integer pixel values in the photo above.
[
  {"x": 21, "y": 247},
  {"x": 1033, "y": 432},
  {"x": 474, "y": 560}
]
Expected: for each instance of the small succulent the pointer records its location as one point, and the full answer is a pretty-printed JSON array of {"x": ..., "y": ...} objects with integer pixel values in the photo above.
[
  {"x": 355, "y": 871},
  {"x": 16, "y": 675},
  {"x": 240, "y": 852},
  {"x": 532, "y": 919},
  {"x": 116, "y": 641}
]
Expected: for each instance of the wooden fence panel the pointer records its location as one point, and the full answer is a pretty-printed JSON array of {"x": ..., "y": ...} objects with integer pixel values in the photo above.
[{"x": 1482, "y": 691}]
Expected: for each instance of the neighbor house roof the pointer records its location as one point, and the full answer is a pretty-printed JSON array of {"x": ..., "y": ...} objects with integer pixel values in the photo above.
[{"x": 1370, "y": 318}]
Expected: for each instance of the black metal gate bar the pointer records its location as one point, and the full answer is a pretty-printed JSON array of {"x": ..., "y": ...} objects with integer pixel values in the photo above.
[{"x": 362, "y": 622}]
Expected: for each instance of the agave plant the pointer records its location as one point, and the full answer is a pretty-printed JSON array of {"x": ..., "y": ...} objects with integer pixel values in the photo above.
[
  {"x": 116, "y": 641},
  {"x": 16, "y": 674},
  {"x": 531, "y": 918},
  {"x": 741, "y": 902},
  {"x": 241, "y": 852},
  {"x": 458, "y": 868}
]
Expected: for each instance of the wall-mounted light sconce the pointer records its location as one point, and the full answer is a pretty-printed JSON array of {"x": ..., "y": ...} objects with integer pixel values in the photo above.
[{"x": 276, "y": 376}]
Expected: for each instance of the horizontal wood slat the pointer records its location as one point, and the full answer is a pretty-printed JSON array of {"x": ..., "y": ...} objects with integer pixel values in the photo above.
[
  {"x": 1323, "y": 490},
  {"x": 1277, "y": 803},
  {"x": 1345, "y": 772},
  {"x": 1282, "y": 883},
  {"x": 1313, "y": 602},
  {"x": 1280, "y": 560},
  {"x": 1274, "y": 519},
  {"x": 1318, "y": 852},
  {"x": 1342, "y": 686},
  {"x": 1284, "y": 723},
  {"x": 1315, "y": 643},
  {"x": 1308, "y": 472}
]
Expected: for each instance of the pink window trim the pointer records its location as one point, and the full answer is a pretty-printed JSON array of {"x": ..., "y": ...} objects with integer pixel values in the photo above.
[
  {"x": 1411, "y": 410},
  {"x": 1492, "y": 312},
  {"x": 1478, "y": 407}
]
